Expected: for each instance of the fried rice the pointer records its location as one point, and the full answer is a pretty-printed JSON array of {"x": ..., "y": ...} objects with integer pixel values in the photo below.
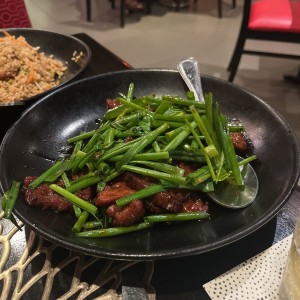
[{"x": 25, "y": 70}]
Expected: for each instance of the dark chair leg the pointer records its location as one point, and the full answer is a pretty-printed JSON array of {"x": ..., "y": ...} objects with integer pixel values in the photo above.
[
  {"x": 177, "y": 5},
  {"x": 122, "y": 13},
  {"x": 113, "y": 4},
  {"x": 236, "y": 57},
  {"x": 293, "y": 78},
  {"x": 88, "y": 10},
  {"x": 148, "y": 6},
  {"x": 220, "y": 8},
  {"x": 122, "y": 9}
]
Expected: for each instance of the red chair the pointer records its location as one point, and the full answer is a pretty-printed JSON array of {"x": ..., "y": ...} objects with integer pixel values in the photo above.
[
  {"x": 267, "y": 20},
  {"x": 13, "y": 13}
]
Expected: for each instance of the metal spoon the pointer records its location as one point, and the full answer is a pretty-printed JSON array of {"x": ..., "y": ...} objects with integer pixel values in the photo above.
[{"x": 225, "y": 193}]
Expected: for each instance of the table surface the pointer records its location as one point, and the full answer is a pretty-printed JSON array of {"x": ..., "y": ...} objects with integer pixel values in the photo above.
[{"x": 52, "y": 271}]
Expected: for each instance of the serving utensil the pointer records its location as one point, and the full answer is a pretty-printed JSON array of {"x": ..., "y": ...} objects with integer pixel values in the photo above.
[{"x": 225, "y": 193}]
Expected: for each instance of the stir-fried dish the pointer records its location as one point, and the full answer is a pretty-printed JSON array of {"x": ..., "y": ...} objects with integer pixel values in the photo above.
[
  {"x": 150, "y": 159},
  {"x": 25, "y": 70}
]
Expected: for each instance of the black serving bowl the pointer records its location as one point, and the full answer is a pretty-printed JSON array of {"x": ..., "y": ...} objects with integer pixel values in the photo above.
[
  {"x": 62, "y": 47},
  {"x": 33, "y": 142}
]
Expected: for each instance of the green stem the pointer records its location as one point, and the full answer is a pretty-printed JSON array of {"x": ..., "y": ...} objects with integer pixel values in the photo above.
[
  {"x": 179, "y": 138},
  {"x": 138, "y": 147},
  {"x": 11, "y": 198},
  {"x": 132, "y": 105},
  {"x": 207, "y": 158},
  {"x": 163, "y": 155},
  {"x": 184, "y": 102},
  {"x": 155, "y": 174},
  {"x": 97, "y": 233},
  {"x": 92, "y": 224},
  {"x": 166, "y": 168},
  {"x": 81, "y": 136},
  {"x": 80, "y": 221},
  {"x": 163, "y": 107},
  {"x": 118, "y": 149},
  {"x": 54, "y": 171},
  {"x": 176, "y": 217},
  {"x": 141, "y": 194},
  {"x": 201, "y": 125},
  {"x": 83, "y": 183},
  {"x": 120, "y": 110},
  {"x": 74, "y": 199},
  {"x": 130, "y": 92},
  {"x": 234, "y": 162},
  {"x": 209, "y": 108},
  {"x": 173, "y": 118}
]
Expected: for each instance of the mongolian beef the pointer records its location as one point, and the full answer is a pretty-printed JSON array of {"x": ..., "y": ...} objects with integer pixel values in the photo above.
[
  {"x": 25, "y": 70},
  {"x": 151, "y": 159}
]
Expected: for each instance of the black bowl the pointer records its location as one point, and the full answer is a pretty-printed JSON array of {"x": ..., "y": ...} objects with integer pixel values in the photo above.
[
  {"x": 33, "y": 142},
  {"x": 61, "y": 46}
]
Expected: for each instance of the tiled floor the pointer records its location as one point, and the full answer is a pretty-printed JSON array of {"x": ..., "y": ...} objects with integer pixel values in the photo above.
[{"x": 162, "y": 38}]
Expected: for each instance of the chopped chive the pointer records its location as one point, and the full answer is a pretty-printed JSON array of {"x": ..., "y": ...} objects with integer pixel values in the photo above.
[
  {"x": 74, "y": 199},
  {"x": 141, "y": 194},
  {"x": 106, "y": 232},
  {"x": 176, "y": 217}
]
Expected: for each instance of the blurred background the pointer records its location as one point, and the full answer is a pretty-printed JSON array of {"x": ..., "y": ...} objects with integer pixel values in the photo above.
[{"x": 164, "y": 36}]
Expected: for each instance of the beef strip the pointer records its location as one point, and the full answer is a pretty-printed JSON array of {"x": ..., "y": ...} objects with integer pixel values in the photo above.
[
  {"x": 239, "y": 141},
  {"x": 175, "y": 201},
  {"x": 128, "y": 215},
  {"x": 194, "y": 205},
  {"x": 137, "y": 182},
  {"x": 45, "y": 197},
  {"x": 170, "y": 200},
  {"x": 113, "y": 192},
  {"x": 112, "y": 103}
]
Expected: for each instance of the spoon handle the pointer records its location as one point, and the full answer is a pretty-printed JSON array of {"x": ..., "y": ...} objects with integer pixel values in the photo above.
[{"x": 190, "y": 73}]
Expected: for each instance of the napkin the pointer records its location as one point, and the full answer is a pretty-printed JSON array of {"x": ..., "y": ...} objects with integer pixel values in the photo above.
[{"x": 257, "y": 278}]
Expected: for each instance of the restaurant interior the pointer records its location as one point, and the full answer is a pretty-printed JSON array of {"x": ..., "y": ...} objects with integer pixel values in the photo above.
[
  {"x": 242, "y": 265},
  {"x": 161, "y": 38}
]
